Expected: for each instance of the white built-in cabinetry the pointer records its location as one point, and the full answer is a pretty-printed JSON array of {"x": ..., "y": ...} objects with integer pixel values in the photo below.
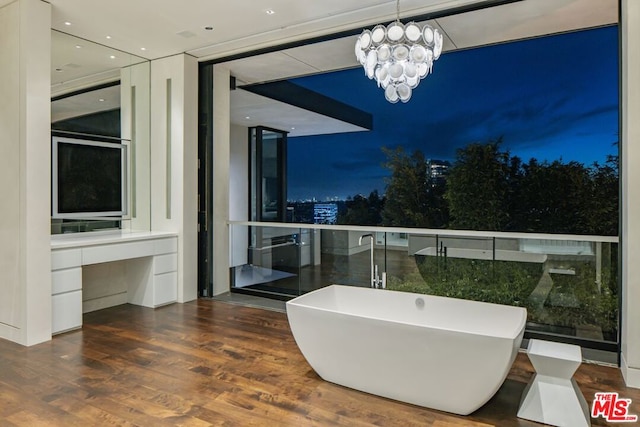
[{"x": 150, "y": 270}]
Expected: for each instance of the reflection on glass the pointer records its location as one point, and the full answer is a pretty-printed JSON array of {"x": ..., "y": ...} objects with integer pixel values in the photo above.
[
  {"x": 275, "y": 258},
  {"x": 77, "y": 64},
  {"x": 569, "y": 287},
  {"x": 94, "y": 97}
]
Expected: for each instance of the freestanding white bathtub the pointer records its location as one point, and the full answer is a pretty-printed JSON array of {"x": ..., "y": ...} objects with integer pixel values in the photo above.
[{"x": 441, "y": 353}]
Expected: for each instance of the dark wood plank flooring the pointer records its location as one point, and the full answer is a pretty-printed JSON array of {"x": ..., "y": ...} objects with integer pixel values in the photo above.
[{"x": 211, "y": 363}]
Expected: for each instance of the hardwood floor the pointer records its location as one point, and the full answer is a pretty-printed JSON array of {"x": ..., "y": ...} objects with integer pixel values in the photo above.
[{"x": 211, "y": 363}]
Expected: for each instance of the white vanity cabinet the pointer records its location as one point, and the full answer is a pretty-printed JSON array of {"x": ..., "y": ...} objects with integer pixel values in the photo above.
[
  {"x": 66, "y": 289},
  {"x": 150, "y": 269}
]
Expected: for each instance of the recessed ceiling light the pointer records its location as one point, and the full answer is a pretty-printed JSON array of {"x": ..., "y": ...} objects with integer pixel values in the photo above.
[
  {"x": 112, "y": 57},
  {"x": 108, "y": 37},
  {"x": 59, "y": 70},
  {"x": 143, "y": 48},
  {"x": 186, "y": 34},
  {"x": 67, "y": 23},
  {"x": 78, "y": 46},
  {"x": 208, "y": 28},
  {"x": 270, "y": 11},
  {"x": 101, "y": 99},
  {"x": 247, "y": 117},
  {"x": 293, "y": 128}
]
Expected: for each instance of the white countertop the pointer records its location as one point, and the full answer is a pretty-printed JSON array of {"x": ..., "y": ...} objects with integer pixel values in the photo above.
[{"x": 73, "y": 240}]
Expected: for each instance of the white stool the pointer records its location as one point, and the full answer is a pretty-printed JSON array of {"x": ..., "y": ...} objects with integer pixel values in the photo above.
[{"x": 552, "y": 396}]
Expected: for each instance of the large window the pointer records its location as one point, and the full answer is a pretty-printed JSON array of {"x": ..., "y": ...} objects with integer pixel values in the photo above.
[
  {"x": 521, "y": 136},
  {"x": 511, "y": 137}
]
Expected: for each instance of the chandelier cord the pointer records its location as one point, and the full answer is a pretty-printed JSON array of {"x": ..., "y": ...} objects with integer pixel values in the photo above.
[{"x": 398, "y": 11}]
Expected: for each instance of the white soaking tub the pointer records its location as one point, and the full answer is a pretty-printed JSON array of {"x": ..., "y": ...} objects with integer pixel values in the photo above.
[{"x": 442, "y": 353}]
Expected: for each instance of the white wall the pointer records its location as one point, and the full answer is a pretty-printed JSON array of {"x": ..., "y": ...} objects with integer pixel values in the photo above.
[
  {"x": 630, "y": 200},
  {"x": 134, "y": 107},
  {"x": 339, "y": 242},
  {"x": 239, "y": 193},
  {"x": 10, "y": 304},
  {"x": 25, "y": 171},
  {"x": 221, "y": 158},
  {"x": 174, "y": 161},
  {"x": 104, "y": 285}
]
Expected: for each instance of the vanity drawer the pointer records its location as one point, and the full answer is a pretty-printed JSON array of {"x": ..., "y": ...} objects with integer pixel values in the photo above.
[
  {"x": 165, "y": 263},
  {"x": 166, "y": 246},
  {"x": 65, "y": 258},
  {"x": 165, "y": 289},
  {"x": 66, "y": 311},
  {"x": 116, "y": 252},
  {"x": 66, "y": 280}
]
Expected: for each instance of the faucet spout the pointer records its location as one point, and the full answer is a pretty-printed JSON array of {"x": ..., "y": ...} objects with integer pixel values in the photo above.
[
  {"x": 363, "y": 236},
  {"x": 375, "y": 280}
]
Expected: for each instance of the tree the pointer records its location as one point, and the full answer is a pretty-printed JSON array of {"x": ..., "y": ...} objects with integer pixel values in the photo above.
[
  {"x": 603, "y": 218},
  {"x": 361, "y": 210},
  {"x": 478, "y": 187},
  {"x": 556, "y": 197},
  {"x": 488, "y": 189},
  {"x": 413, "y": 197}
]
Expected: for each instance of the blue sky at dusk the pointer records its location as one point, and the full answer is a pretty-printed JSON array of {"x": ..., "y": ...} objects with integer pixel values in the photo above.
[{"x": 549, "y": 98}]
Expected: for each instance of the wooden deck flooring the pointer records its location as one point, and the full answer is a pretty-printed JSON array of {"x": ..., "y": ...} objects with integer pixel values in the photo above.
[{"x": 211, "y": 363}]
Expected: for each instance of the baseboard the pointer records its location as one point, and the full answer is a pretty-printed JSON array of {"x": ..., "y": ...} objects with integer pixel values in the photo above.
[
  {"x": 631, "y": 375},
  {"x": 103, "y": 302},
  {"x": 11, "y": 333}
]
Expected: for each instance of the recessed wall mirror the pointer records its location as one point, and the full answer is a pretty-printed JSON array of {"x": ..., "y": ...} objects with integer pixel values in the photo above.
[{"x": 100, "y": 137}]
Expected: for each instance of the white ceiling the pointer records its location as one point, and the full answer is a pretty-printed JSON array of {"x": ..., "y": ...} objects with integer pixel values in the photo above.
[
  {"x": 78, "y": 63},
  {"x": 105, "y": 99},
  {"x": 167, "y": 27},
  {"x": 515, "y": 21},
  {"x": 249, "y": 109}
]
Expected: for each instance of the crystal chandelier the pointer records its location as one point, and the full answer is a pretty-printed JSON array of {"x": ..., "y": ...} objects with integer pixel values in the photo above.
[{"x": 398, "y": 56}]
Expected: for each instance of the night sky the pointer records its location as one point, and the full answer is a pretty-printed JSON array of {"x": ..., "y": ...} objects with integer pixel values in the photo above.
[{"x": 549, "y": 98}]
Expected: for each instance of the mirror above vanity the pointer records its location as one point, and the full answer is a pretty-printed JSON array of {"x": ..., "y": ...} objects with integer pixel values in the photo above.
[{"x": 100, "y": 96}]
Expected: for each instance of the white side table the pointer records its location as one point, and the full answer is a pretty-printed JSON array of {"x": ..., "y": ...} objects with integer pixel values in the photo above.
[{"x": 552, "y": 396}]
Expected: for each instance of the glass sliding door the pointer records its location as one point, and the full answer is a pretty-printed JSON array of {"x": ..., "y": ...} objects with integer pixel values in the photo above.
[
  {"x": 273, "y": 253},
  {"x": 268, "y": 173}
]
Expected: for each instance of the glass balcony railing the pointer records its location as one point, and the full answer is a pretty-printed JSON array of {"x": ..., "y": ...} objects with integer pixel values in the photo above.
[{"x": 568, "y": 283}]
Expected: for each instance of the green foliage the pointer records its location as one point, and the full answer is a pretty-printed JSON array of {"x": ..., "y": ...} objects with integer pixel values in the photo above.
[
  {"x": 554, "y": 197},
  {"x": 413, "y": 197},
  {"x": 411, "y": 282},
  {"x": 477, "y": 187},
  {"x": 488, "y": 189},
  {"x": 577, "y": 300},
  {"x": 566, "y": 198},
  {"x": 573, "y": 301},
  {"x": 363, "y": 210},
  {"x": 603, "y": 218},
  {"x": 499, "y": 282}
]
